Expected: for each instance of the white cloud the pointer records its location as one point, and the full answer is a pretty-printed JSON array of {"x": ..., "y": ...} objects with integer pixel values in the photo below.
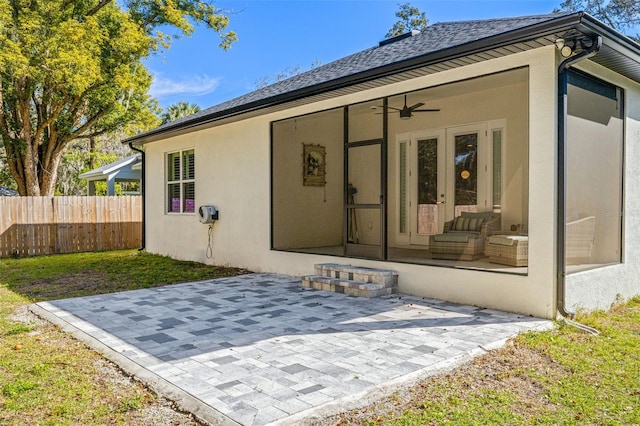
[{"x": 197, "y": 85}]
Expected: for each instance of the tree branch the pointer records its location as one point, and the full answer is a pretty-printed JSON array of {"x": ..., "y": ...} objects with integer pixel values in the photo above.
[
  {"x": 4, "y": 130},
  {"x": 99, "y": 6},
  {"x": 17, "y": 169},
  {"x": 95, "y": 134},
  {"x": 86, "y": 126}
]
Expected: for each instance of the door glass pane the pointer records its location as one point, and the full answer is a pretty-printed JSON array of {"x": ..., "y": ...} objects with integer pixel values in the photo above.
[
  {"x": 427, "y": 213},
  {"x": 364, "y": 174},
  {"x": 403, "y": 188},
  {"x": 365, "y": 236},
  {"x": 466, "y": 172},
  {"x": 365, "y": 121},
  {"x": 497, "y": 169}
]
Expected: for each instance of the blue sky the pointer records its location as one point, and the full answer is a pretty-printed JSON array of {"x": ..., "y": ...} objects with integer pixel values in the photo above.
[{"x": 277, "y": 35}]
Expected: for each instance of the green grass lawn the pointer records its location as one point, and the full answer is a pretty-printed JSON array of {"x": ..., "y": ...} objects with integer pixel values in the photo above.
[
  {"x": 85, "y": 274},
  {"x": 49, "y": 378},
  {"x": 559, "y": 377}
]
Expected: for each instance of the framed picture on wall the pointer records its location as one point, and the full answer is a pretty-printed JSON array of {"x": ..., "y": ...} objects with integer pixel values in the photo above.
[{"x": 313, "y": 167}]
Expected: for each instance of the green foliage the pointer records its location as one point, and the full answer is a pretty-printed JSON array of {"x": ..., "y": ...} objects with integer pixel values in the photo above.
[
  {"x": 410, "y": 18},
  {"x": 622, "y": 15},
  {"x": 131, "y": 404},
  {"x": 17, "y": 387},
  {"x": 6, "y": 179},
  {"x": 178, "y": 110},
  {"x": 18, "y": 329},
  {"x": 73, "y": 69}
]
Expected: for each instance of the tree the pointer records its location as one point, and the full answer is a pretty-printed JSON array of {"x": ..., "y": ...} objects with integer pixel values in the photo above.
[
  {"x": 80, "y": 156},
  {"x": 6, "y": 179},
  {"x": 285, "y": 74},
  {"x": 622, "y": 15},
  {"x": 72, "y": 69},
  {"x": 178, "y": 110},
  {"x": 410, "y": 18}
]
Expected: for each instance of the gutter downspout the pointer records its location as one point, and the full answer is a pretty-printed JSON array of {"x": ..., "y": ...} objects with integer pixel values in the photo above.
[
  {"x": 142, "y": 192},
  {"x": 563, "y": 69}
]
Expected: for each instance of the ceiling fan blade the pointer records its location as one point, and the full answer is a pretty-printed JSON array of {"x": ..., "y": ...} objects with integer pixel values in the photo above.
[
  {"x": 388, "y": 106},
  {"x": 426, "y": 110},
  {"x": 418, "y": 105}
]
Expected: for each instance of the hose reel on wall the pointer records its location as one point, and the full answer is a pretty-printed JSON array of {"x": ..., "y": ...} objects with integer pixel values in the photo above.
[{"x": 208, "y": 214}]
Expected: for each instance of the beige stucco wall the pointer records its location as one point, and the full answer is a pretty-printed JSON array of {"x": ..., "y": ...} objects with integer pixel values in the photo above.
[
  {"x": 233, "y": 173},
  {"x": 317, "y": 209}
]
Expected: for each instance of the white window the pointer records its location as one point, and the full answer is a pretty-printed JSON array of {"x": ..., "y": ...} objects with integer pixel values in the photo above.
[{"x": 181, "y": 185}]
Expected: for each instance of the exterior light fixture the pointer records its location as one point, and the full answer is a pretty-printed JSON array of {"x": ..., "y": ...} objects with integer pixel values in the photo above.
[
  {"x": 564, "y": 48},
  {"x": 405, "y": 115}
]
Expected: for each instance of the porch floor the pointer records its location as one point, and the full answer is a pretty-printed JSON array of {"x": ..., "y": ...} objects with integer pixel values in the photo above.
[
  {"x": 423, "y": 257},
  {"x": 258, "y": 349}
]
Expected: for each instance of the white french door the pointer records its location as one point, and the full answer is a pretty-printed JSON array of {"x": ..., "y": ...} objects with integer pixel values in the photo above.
[{"x": 441, "y": 173}]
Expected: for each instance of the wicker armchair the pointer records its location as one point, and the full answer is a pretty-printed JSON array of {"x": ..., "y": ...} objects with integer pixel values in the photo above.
[
  {"x": 580, "y": 237},
  {"x": 458, "y": 242}
]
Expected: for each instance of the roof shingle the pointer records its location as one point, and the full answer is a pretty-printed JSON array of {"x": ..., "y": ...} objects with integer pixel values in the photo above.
[{"x": 437, "y": 37}]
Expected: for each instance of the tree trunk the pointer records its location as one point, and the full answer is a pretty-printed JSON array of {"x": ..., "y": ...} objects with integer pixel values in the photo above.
[
  {"x": 34, "y": 172},
  {"x": 92, "y": 152},
  {"x": 49, "y": 174}
]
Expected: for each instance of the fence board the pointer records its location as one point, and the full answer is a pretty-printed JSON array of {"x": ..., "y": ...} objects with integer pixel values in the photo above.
[{"x": 32, "y": 226}]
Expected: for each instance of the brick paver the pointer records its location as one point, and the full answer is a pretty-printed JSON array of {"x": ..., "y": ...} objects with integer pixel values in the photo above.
[{"x": 260, "y": 349}]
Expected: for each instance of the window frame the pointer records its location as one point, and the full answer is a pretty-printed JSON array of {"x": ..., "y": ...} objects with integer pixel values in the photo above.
[{"x": 180, "y": 181}]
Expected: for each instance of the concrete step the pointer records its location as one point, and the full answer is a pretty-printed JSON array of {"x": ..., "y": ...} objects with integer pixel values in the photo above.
[
  {"x": 346, "y": 286},
  {"x": 386, "y": 277}
]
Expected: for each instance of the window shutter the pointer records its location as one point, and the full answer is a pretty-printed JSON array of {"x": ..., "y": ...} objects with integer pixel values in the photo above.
[
  {"x": 173, "y": 198},
  {"x": 189, "y": 194},
  {"x": 188, "y": 167},
  {"x": 173, "y": 161}
]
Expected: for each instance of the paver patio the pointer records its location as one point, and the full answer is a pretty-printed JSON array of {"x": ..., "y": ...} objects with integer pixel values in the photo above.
[{"x": 258, "y": 349}]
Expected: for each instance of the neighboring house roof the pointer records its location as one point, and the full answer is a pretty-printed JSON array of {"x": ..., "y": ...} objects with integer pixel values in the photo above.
[
  {"x": 450, "y": 43},
  {"x": 7, "y": 192},
  {"x": 111, "y": 168}
]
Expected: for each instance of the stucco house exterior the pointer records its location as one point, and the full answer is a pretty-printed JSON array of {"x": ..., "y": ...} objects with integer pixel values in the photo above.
[{"x": 518, "y": 136}]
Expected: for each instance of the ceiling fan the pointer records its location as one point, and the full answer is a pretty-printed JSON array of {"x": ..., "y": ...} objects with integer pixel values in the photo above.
[{"x": 406, "y": 112}]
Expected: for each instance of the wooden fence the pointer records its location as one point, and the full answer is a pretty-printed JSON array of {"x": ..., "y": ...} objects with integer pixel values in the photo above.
[{"x": 32, "y": 226}]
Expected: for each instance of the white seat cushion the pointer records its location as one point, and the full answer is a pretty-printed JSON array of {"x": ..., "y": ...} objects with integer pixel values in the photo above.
[{"x": 507, "y": 240}]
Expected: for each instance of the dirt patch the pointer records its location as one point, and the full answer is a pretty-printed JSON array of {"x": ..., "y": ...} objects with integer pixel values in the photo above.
[
  {"x": 160, "y": 412},
  {"x": 512, "y": 368},
  {"x": 23, "y": 315},
  {"x": 66, "y": 286}
]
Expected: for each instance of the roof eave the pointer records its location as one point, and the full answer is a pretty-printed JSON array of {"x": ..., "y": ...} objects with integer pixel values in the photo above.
[
  {"x": 101, "y": 171},
  {"x": 559, "y": 24},
  {"x": 621, "y": 43}
]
